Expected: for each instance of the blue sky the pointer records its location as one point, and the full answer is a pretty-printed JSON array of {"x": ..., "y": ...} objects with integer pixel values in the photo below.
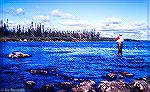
[{"x": 109, "y": 17}]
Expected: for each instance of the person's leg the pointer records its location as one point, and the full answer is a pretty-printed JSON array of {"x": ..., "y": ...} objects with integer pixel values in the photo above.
[{"x": 119, "y": 48}]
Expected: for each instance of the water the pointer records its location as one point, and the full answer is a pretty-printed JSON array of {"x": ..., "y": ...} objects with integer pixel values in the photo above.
[{"x": 85, "y": 60}]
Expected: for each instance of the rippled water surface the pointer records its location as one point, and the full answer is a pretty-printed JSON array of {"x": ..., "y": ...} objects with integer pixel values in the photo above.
[{"x": 87, "y": 60}]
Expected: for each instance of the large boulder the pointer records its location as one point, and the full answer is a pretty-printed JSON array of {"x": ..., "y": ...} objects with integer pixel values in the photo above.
[{"x": 18, "y": 55}]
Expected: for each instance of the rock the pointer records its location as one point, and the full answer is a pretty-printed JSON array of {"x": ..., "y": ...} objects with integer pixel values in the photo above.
[
  {"x": 148, "y": 79},
  {"x": 113, "y": 86},
  {"x": 30, "y": 84},
  {"x": 148, "y": 82},
  {"x": 48, "y": 88},
  {"x": 18, "y": 55},
  {"x": 38, "y": 71},
  {"x": 126, "y": 74},
  {"x": 86, "y": 86},
  {"x": 140, "y": 85},
  {"x": 76, "y": 79},
  {"x": 110, "y": 76},
  {"x": 66, "y": 85},
  {"x": 88, "y": 83},
  {"x": 62, "y": 91},
  {"x": 106, "y": 86}
]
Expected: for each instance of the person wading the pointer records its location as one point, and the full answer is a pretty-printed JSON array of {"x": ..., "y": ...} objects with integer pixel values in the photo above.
[{"x": 120, "y": 41}]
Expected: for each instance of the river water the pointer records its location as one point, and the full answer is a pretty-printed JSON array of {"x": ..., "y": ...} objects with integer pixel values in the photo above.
[{"x": 85, "y": 60}]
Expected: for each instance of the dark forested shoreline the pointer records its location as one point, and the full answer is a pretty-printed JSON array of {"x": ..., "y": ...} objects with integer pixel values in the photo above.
[
  {"x": 40, "y": 34},
  {"x": 54, "y": 39}
]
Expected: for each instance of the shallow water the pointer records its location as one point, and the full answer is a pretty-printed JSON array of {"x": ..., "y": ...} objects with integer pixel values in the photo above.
[{"x": 86, "y": 60}]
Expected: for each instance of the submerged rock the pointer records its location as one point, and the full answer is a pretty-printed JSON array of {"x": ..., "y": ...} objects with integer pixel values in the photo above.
[
  {"x": 30, "y": 84},
  {"x": 18, "y": 55},
  {"x": 110, "y": 76},
  {"x": 117, "y": 75},
  {"x": 66, "y": 85},
  {"x": 127, "y": 74},
  {"x": 48, "y": 88},
  {"x": 76, "y": 80},
  {"x": 38, "y": 71}
]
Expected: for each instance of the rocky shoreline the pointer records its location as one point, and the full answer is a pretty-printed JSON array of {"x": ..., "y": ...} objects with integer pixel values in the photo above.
[{"x": 113, "y": 82}]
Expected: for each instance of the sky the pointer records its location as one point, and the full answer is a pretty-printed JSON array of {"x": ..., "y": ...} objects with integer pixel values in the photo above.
[{"x": 108, "y": 17}]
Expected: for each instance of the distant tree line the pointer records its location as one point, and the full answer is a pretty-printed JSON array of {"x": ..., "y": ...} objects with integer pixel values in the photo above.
[{"x": 38, "y": 31}]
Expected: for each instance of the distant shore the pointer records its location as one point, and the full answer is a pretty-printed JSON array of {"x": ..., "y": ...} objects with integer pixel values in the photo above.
[{"x": 54, "y": 39}]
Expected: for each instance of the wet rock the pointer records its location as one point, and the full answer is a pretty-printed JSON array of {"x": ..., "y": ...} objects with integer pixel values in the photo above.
[
  {"x": 140, "y": 86},
  {"x": 76, "y": 79},
  {"x": 62, "y": 91},
  {"x": 126, "y": 74},
  {"x": 113, "y": 86},
  {"x": 66, "y": 85},
  {"x": 38, "y": 71},
  {"x": 18, "y": 55},
  {"x": 148, "y": 82},
  {"x": 120, "y": 76},
  {"x": 88, "y": 83},
  {"x": 48, "y": 88},
  {"x": 107, "y": 86},
  {"x": 86, "y": 86},
  {"x": 110, "y": 76},
  {"x": 30, "y": 84}
]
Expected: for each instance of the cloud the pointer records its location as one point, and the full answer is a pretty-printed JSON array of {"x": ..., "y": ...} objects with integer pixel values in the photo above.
[
  {"x": 58, "y": 13},
  {"x": 42, "y": 18},
  {"x": 114, "y": 26},
  {"x": 113, "y": 20},
  {"x": 138, "y": 25},
  {"x": 80, "y": 23},
  {"x": 19, "y": 11},
  {"x": 14, "y": 12},
  {"x": 114, "y": 23}
]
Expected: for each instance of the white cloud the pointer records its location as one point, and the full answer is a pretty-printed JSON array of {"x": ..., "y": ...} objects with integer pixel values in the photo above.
[
  {"x": 137, "y": 23},
  {"x": 67, "y": 15},
  {"x": 80, "y": 23},
  {"x": 14, "y": 11},
  {"x": 114, "y": 26},
  {"x": 113, "y": 20},
  {"x": 19, "y": 11},
  {"x": 117, "y": 24},
  {"x": 42, "y": 18},
  {"x": 58, "y": 13}
]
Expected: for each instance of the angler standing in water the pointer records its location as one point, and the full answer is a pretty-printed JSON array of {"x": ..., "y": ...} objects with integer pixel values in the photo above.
[{"x": 120, "y": 41}]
